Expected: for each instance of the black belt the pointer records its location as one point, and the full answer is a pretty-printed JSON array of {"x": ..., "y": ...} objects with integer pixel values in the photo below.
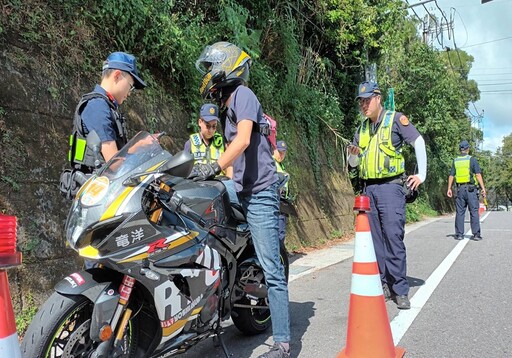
[
  {"x": 393, "y": 180},
  {"x": 462, "y": 184}
]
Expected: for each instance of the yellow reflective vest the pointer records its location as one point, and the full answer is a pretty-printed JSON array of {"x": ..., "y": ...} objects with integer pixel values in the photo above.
[
  {"x": 285, "y": 189},
  {"x": 206, "y": 154},
  {"x": 463, "y": 170},
  {"x": 379, "y": 158}
]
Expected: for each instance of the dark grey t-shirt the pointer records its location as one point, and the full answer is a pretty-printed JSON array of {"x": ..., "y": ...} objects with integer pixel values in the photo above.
[{"x": 254, "y": 170}]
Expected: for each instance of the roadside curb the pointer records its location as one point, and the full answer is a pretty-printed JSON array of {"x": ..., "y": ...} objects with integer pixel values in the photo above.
[{"x": 322, "y": 258}]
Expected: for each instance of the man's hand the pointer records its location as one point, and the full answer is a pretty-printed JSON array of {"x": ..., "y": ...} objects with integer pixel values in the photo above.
[
  {"x": 413, "y": 182},
  {"x": 353, "y": 149},
  {"x": 205, "y": 171},
  {"x": 449, "y": 193},
  {"x": 484, "y": 193}
]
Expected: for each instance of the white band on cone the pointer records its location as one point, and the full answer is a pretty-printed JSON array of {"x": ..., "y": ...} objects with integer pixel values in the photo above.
[
  {"x": 366, "y": 285},
  {"x": 363, "y": 249},
  {"x": 10, "y": 347}
]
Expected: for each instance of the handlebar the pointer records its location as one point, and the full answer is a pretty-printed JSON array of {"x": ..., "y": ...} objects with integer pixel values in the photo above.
[{"x": 176, "y": 204}]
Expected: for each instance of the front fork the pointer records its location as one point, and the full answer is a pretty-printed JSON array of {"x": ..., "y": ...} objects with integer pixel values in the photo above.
[{"x": 112, "y": 344}]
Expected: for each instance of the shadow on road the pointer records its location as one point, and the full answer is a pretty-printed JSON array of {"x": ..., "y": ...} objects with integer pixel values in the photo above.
[
  {"x": 240, "y": 345},
  {"x": 414, "y": 281}
]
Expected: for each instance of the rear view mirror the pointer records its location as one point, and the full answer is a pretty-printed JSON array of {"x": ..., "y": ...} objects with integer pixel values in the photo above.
[{"x": 180, "y": 165}]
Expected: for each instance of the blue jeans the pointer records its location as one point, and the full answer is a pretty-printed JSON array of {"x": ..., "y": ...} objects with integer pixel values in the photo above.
[
  {"x": 262, "y": 211},
  {"x": 230, "y": 188}
]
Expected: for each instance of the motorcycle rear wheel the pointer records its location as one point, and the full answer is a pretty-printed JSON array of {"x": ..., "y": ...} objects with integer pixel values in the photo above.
[
  {"x": 252, "y": 321},
  {"x": 61, "y": 329}
]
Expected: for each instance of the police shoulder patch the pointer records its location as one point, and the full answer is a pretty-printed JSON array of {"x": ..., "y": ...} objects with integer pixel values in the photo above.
[{"x": 404, "y": 120}]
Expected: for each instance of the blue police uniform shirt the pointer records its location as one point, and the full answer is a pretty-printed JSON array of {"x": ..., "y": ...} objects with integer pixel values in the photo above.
[
  {"x": 474, "y": 167},
  {"x": 97, "y": 116},
  {"x": 255, "y": 169},
  {"x": 186, "y": 147},
  {"x": 400, "y": 133}
]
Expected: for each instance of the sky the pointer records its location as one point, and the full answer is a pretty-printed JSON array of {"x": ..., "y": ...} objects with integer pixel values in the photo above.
[{"x": 485, "y": 32}]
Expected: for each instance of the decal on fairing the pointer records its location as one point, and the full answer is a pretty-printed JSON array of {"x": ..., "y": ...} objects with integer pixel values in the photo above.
[
  {"x": 209, "y": 258},
  {"x": 95, "y": 191},
  {"x": 166, "y": 243}
]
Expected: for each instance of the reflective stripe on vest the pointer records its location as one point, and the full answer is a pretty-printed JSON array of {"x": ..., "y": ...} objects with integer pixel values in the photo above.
[
  {"x": 463, "y": 169},
  {"x": 205, "y": 154},
  {"x": 379, "y": 158}
]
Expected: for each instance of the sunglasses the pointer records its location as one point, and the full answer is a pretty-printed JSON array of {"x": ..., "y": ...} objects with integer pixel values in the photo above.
[
  {"x": 363, "y": 101},
  {"x": 210, "y": 126}
]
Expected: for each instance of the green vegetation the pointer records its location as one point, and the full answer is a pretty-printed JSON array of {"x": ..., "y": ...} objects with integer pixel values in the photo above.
[
  {"x": 498, "y": 180},
  {"x": 308, "y": 58},
  {"x": 26, "y": 315}
]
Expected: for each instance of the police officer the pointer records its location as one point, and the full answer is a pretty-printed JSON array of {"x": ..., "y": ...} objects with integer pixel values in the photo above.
[
  {"x": 99, "y": 111},
  {"x": 467, "y": 173},
  {"x": 225, "y": 69},
  {"x": 284, "y": 177},
  {"x": 377, "y": 149},
  {"x": 207, "y": 145}
]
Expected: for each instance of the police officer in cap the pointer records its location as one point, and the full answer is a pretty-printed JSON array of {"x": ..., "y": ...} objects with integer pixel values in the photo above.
[
  {"x": 467, "y": 173},
  {"x": 99, "y": 111},
  {"x": 207, "y": 145},
  {"x": 377, "y": 150}
]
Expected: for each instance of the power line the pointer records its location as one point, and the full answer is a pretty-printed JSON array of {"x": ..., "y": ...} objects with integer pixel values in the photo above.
[
  {"x": 495, "y": 84},
  {"x": 497, "y": 91},
  {"x": 490, "y": 74},
  {"x": 488, "y": 42}
]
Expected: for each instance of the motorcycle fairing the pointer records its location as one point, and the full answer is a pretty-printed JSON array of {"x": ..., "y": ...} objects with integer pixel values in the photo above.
[{"x": 178, "y": 306}]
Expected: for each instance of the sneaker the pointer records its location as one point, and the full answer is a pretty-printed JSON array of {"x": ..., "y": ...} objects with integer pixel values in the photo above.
[
  {"x": 476, "y": 238},
  {"x": 459, "y": 237},
  {"x": 387, "y": 291},
  {"x": 277, "y": 351},
  {"x": 402, "y": 302}
]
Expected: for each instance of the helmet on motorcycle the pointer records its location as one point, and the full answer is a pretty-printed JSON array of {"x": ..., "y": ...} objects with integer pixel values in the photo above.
[{"x": 222, "y": 65}]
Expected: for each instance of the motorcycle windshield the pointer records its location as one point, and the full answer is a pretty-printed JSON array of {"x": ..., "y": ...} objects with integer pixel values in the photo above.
[{"x": 103, "y": 199}]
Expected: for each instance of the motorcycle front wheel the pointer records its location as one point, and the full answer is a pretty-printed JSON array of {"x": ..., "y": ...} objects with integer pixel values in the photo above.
[
  {"x": 255, "y": 317},
  {"x": 60, "y": 329}
]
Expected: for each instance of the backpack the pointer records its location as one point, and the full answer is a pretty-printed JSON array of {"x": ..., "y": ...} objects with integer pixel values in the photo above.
[{"x": 272, "y": 125}]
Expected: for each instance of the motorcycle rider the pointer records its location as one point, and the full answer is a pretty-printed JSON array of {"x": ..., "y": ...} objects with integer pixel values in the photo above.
[{"x": 225, "y": 69}]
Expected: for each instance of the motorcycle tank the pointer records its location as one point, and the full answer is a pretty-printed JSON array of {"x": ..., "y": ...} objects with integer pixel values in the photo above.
[{"x": 207, "y": 198}]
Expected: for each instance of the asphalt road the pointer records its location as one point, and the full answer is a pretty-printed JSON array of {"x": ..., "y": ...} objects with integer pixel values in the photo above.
[{"x": 460, "y": 296}]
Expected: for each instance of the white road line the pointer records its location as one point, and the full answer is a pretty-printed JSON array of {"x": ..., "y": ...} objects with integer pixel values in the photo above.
[{"x": 404, "y": 319}]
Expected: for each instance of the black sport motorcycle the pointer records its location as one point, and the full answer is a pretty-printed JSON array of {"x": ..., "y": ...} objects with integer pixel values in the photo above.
[{"x": 173, "y": 259}]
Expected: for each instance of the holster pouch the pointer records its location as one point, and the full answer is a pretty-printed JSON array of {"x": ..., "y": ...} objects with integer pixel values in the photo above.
[
  {"x": 70, "y": 182},
  {"x": 471, "y": 188}
]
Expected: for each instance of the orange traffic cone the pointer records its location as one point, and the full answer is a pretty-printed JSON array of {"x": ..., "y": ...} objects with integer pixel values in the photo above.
[
  {"x": 368, "y": 331},
  {"x": 9, "y": 346}
]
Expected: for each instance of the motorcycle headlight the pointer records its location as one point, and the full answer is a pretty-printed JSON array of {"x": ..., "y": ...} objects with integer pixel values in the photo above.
[{"x": 76, "y": 224}]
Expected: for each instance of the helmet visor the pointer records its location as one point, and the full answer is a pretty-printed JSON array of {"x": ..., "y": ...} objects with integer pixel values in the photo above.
[{"x": 210, "y": 56}]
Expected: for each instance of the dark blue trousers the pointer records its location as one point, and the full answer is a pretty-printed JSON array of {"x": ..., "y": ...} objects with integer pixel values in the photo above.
[
  {"x": 464, "y": 199},
  {"x": 387, "y": 224},
  {"x": 282, "y": 227}
]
